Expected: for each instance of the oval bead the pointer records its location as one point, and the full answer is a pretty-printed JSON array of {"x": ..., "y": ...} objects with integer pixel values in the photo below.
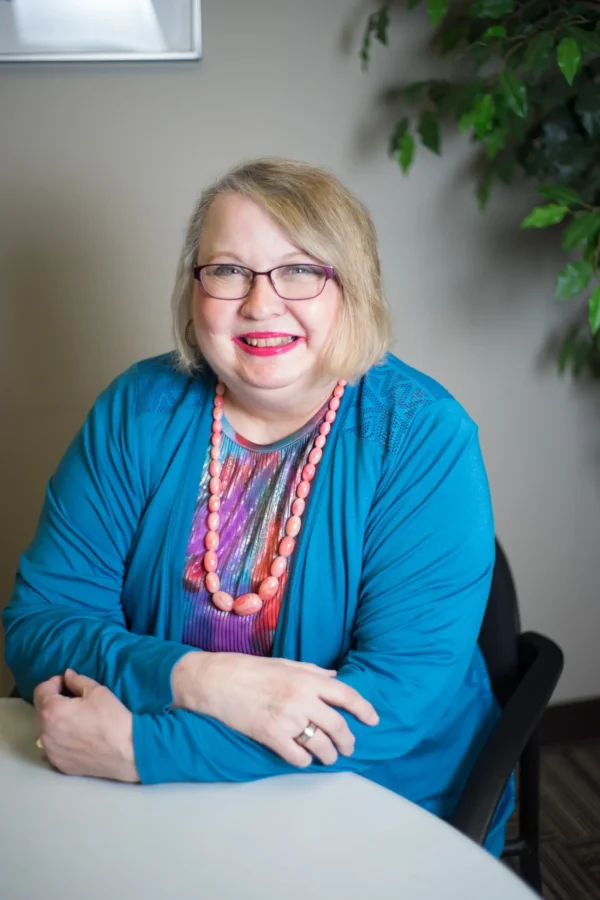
[
  {"x": 215, "y": 486},
  {"x": 303, "y": 490},
  {"x": 330, "y": 416},
  {"x": 342, "y": 382},
  {"x": 334, "y": 403},
  {"x": 315, "y": 456},
  {"x": 293, "y": 526},
  {"x": 278, "y": 566},
  {"x": 217, "y": 413},
  {"x": 216, "y": 439},
  {"x": 268, "y": 588},
  {"x": 210, "y": 561},
  {"x": 211, "y": 541},
  {"x": 286, "y": 546},
  {"x": 220, "y": 388},
  {"x": 247, "y": 604},
  {"x": 213, "y": 521},
  {"x": 223, "y": 601},
  {"x": 215, "y": 468},
  {"x": 212, "y": 582},
  {"x": 320, "y": 441},
  {"x": 298, "y": 506},
  {"x": 215, "y": 452},
  {"x": 308, "y": 472},
  {"x": 219, "y": 401},
  {"x": 325, "y": 428},
  {"x": 338, "y": 391},
  {"x": 214, "y": 503},
  {"x": 216, "y": 427}
]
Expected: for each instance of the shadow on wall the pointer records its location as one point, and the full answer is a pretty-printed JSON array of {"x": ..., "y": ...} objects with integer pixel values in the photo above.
[{"x": 57, "y": 338}]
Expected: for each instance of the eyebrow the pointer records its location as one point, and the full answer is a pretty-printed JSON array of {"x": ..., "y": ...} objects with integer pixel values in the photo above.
[{"x": 230, "y": 255}]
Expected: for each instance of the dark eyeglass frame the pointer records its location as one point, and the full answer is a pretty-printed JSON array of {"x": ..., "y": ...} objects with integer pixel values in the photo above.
[{"x": 328, "y": 271}]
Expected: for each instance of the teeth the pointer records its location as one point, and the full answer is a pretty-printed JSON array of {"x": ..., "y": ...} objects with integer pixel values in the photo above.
[{"x": 269, "y": 342}]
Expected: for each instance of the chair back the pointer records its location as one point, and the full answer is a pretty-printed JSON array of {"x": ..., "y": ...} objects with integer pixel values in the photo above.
[{"x": 498, "y": 637}]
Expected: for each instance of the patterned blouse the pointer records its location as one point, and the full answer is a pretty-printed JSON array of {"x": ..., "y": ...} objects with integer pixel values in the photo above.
[{"x": 259, "y": 487}]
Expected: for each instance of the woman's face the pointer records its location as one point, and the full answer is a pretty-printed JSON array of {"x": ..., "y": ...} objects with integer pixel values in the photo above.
[{"x": 237, "y": 231}]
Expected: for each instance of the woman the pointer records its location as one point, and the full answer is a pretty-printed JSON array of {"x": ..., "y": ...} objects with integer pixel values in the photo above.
[{"x": 272, "y": 550}]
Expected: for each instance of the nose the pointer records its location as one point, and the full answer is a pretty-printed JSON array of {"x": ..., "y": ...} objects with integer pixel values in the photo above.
[{"x": 262, "y": 302}]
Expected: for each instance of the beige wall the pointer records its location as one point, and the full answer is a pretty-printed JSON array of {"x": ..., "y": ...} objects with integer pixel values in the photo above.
[{"x": 99, "y": 167}]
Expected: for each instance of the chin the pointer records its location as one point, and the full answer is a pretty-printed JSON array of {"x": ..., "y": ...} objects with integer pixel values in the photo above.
[
  {"x": 270, "y": 380},
  {"x": 275, "y": 373}
]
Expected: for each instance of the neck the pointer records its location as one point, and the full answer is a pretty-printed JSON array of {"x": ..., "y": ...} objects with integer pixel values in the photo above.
[{"x": 267, "y": 416}]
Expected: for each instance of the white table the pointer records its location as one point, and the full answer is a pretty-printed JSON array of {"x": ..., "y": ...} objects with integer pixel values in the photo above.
[{"x": 300, "y": 837}]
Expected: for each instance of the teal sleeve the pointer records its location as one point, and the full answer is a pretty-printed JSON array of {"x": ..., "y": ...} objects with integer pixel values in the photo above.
[
  {"x": 66, "y": 610},
  {"x": 428, "y": 557}
]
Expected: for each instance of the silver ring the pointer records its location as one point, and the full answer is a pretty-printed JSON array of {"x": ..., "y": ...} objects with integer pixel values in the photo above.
[{"x": 308, "y": 733}]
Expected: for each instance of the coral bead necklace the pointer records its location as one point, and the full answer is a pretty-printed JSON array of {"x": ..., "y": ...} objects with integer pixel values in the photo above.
[{"x": 251, "y": 603}]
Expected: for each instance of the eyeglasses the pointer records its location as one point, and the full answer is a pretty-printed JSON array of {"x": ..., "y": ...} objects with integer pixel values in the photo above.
[{"x": 298, "y": 281}]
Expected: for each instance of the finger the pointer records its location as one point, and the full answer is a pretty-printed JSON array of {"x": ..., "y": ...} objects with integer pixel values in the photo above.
[
  {"x": 337, "y": 693},
  {"x": 50, "y": 688},
  {"x": 292, "y": 753},
  {"x": 78, "y": 684},
  {"x": 321, "y": 747},
  {"x": 334, "y": 725}
]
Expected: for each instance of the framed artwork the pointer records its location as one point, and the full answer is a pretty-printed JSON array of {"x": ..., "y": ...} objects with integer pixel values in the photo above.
[{"x": 99, "y": 30}]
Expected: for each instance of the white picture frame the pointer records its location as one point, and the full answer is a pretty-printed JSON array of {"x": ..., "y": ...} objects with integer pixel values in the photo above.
[{"x": 99, "y": 30}]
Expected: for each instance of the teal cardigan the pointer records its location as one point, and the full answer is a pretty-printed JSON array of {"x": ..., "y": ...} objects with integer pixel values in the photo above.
[{"x": 388, "y": 584}]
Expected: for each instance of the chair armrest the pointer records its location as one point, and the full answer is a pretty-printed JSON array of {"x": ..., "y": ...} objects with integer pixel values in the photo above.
[{"x": 540, "y": 662}]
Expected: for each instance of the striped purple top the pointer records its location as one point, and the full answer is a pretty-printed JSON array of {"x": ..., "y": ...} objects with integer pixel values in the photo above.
[{"x": 259, "y": 487}]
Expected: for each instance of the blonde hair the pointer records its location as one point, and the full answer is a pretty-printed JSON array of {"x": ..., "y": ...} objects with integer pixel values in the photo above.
[{"x": 322, "y": 218}]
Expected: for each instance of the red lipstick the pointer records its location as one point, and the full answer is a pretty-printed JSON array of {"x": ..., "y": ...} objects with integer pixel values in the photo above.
[{"x": 242, "y": 341}]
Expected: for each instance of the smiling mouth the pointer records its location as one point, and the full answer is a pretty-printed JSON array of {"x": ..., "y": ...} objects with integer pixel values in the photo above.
[{"x": 268, "y": 342}]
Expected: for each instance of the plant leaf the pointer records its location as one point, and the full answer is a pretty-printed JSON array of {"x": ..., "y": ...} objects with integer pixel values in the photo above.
[
  {"x": 537, "y": 55},
  {"x": 452, "y": 37},
  {"x": 406, "y": 152},
  {"x": 491, "y": 9},
  {"x": 429, "y": 130},
  {"x": 594, "y": 310},
  {"x": 559, "y": 194},
  {"x": 545, "y": 216},
  {"x": 484, "y": 189},
  {"x": 495, "y": 31},
  {"x": 514, "y": 93},
  {"x": 581, "y": 230},
  {"x": 399, "y": 132},
  {"x": 412, "y": 3},
  {"x": 495, "y": 141},
  {"x": 569, "y": 58},
  {"x": 377, "y": 24},
  {"x": 589, "y": 41},
  {"x": 483, "y": 115},
  {"x": 573, "y": 279},
  {"x": 436, "y": 10},
  {"x": 480, "y": 117}
]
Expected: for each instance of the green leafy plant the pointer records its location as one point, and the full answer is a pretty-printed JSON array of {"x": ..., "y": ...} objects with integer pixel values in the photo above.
[{"x": 531, "y": 104}]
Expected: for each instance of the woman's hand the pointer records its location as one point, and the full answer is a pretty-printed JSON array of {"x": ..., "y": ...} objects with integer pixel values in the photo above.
[
  {"x": 89, "y": 734},
  {"x": 272, "y": 701}
]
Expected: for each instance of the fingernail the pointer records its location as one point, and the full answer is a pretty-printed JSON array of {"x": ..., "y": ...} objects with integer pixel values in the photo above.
[{"x": 373, "y": 718}]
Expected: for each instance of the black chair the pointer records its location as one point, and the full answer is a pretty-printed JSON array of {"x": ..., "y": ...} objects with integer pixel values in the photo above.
[{"x": 524, "y": 669}]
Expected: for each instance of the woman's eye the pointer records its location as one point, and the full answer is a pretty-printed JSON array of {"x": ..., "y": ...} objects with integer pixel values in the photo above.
[
  {"x": 300, "y": 270},
  {"x": 223, "y": 271}
]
